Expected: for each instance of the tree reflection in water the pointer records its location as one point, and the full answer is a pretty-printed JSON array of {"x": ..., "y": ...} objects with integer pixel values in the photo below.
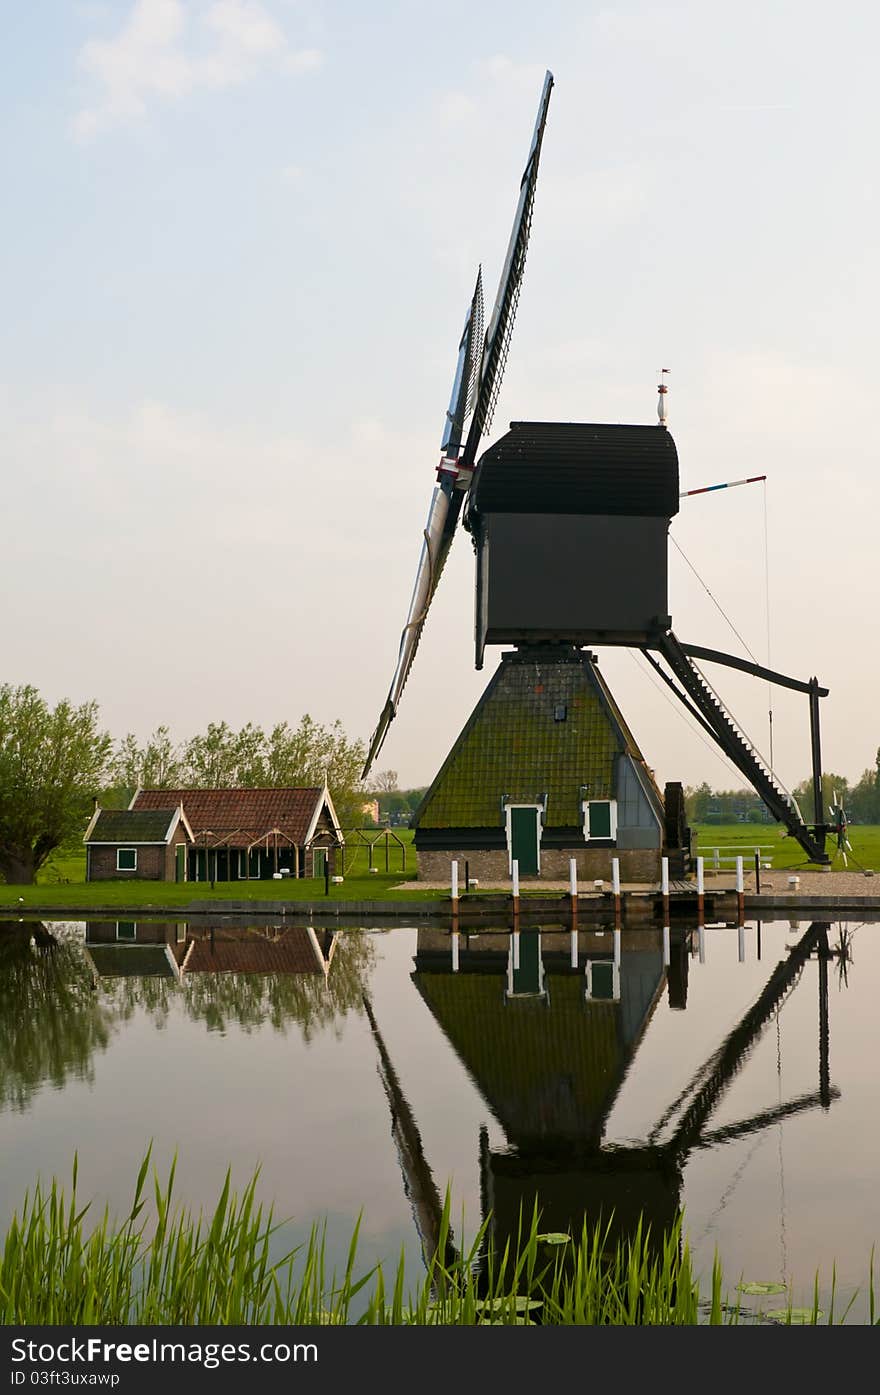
[
  {"x": 52, "y": 1020},
  {"x": 310, "y": 1001},
  {"x": 57, "y": 1012}
]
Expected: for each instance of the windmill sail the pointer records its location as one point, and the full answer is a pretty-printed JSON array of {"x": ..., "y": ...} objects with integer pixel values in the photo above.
[{"x": 475, "y": 388}]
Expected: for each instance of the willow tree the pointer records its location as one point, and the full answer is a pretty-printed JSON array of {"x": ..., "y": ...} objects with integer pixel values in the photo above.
[{"x": 52, "y": 764}]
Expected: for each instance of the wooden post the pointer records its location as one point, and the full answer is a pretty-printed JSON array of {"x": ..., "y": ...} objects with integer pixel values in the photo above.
[
  {"x": 573, "y": 894},
  {"x": 664, "y": 887},
  {"x": 615, "y": 887},
  {"x": 700, "y": 898},
  {"x": 757, "y": 872},
  {"x": 740, "y": 890}
]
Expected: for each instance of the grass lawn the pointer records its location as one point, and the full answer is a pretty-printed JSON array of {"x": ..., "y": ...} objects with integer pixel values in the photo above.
[
  {"x": 741, "y": 839},
  {"x": 61, "y": 882}
]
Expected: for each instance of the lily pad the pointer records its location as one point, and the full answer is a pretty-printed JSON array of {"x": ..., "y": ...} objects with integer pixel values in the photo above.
[
  {"x": 555, "y": 1237},
  {"x": 796, "y": 1316},
  {"x": 520, "y": 1303},
  {"x": 757, "y": 1286}
]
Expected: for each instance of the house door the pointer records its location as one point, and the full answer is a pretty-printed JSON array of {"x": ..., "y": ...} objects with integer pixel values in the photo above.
[
  {"x": 527, "y": 977},
  {"x": 180, "y": 863},
  {"x": 319, "y": 862},
  {"x": 524, "y": 839}
]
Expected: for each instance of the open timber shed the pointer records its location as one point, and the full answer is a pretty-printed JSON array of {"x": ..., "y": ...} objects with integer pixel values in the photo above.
[
  {"x": 240, "y": 834},
  {"x": 545, "y": 770}
]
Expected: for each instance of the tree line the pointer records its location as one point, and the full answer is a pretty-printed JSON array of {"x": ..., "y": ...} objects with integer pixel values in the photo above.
[
  {"x": 861, "y": 800},
  {"x": 55, "y": 762}
]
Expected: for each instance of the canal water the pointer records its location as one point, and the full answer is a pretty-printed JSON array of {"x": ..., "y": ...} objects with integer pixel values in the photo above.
[{"x": 729, "y": 1073}]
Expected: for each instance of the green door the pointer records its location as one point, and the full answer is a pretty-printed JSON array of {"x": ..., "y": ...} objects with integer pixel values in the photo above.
[
  {"x": 180, "y": 863},
  {"x": 527, "y": 978},
  {"x": 319, "y": 862},
  {"x": 524, "y": 840}
]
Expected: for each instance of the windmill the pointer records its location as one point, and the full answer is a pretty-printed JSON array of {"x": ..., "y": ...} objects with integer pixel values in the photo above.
[{"x": 569, "y": 523}]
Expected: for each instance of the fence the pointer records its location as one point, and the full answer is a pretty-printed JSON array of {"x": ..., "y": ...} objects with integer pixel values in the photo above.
[
  {"x": 716, "y": 859},
  {"x": 365, "y": 848}
]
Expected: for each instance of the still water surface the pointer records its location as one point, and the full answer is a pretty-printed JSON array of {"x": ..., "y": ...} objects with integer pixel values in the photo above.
[{"x": 731, "y": 1073}]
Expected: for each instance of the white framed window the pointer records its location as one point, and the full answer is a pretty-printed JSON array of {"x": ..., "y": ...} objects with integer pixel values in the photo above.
[
  {"x": 602, "y": 981},
  {"x": 126, "y": 859},
  {"x": 126, "y": 930},
  {"x": 600, "y": 819}
]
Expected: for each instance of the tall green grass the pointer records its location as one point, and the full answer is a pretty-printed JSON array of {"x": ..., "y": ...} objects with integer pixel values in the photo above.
[{"x": 163, "y": 1264}]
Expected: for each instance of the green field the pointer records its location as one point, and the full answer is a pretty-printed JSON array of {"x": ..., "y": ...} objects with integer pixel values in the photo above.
[{"x": 741, "y": 839}]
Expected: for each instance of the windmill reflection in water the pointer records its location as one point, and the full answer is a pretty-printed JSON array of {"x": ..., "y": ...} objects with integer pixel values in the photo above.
[{"x": 547, "y": 1023}]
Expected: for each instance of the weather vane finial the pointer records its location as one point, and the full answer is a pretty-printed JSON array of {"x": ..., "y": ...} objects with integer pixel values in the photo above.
[{"x": 662, "y": 390}]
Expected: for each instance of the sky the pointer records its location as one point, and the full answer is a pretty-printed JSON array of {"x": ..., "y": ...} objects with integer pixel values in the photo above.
[{"x": 240, "y": 237}]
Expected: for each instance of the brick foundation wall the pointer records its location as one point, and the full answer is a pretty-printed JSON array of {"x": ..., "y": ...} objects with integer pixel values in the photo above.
[{"x": 636, "y": 864}]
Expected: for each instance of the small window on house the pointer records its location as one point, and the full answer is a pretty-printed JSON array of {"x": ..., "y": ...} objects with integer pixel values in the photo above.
[
  {"x": 126, "y": 859},
  {"x": 560, "y": 713},
  {"x": 602, "y": 981},
  {"x": 600, "y": 819},
  {"x": 126, "y": 930}
]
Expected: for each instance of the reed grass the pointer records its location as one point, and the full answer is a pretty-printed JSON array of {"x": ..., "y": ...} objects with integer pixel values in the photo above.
[{"x": 162, "y": 1264}]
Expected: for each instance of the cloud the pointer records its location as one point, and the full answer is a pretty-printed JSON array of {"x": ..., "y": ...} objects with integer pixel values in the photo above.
[{"x": 168, "y": 48}]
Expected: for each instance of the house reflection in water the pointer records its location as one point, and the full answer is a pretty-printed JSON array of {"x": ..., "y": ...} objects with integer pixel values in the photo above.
[
  {"x": 547, "y": 1024},
  {"x": 165, "y": 949}
]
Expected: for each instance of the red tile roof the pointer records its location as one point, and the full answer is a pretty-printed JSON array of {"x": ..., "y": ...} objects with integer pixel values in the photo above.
[
  {"x": 239, "y": 816},
  {"x": 290, "y": 953}
]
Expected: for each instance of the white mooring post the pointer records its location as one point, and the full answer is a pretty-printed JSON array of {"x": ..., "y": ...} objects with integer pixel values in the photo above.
[
  {"x": 615, "y": 887},
  {"x": 666, "y": 953},
  {"x": 700, "y": 889},
  {"x": 455, "y": 881},
  {"x": 741, "y": 944},
  {"x": 664, "y": 886},
  {"x": 455, "y": 940},
  {"x": 514, "y": 945},
  {"x": 617, "y": 949},
  {"x": 514, "y": 876},
  {"x": 701, "y": 942},
  {"x": 740, "y": 890},
  {"x": 574, "y": 949},
  {"x": 573, "y": 892}
]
